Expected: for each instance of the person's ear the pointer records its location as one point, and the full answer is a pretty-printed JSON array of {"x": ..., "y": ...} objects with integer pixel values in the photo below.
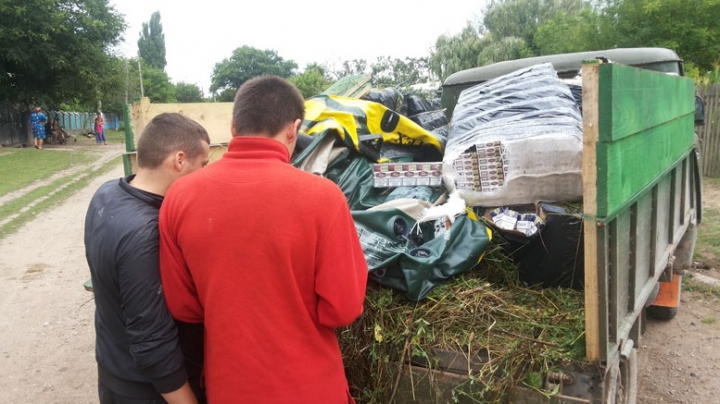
[
  {"x": 180, "y": 160},
  {"x": 292, "y": 131},
  {"x": 233, "y": 131}
]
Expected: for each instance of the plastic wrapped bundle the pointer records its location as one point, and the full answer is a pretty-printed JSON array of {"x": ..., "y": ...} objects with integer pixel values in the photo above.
[
  {"x": 514, "y": 140},
  {"x": 430, "y": 120},
  {"x": 389, "y": 97},
  {"x": 417, "y": 104}
]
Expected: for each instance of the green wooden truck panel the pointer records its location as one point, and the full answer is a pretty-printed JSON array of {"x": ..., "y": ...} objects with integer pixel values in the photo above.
[
  {"x": 646, "y": 125},
  {"x": 639, "y": 178}
]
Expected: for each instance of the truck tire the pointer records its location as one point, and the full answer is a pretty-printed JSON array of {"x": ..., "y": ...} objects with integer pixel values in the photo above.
[
  {"x": 621, "y": 382},
  {"x": 662, "y": 313}
]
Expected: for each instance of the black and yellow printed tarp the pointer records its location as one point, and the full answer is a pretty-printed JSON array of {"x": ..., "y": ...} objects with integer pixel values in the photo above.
[{"x": 352, "y": 118}]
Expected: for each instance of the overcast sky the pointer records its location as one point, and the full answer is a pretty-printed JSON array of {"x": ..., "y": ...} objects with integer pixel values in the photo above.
[{"x": 199, "y": 34}]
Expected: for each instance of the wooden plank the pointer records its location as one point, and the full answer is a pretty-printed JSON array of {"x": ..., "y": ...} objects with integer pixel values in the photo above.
[
  {"x": 620, "y": 282},
  {"x": 631, "y": 164},
  {"x": 130, "y": 158},
  {"x": 623, "y": 273},
  {"x": 614, "y": 285},
  {"x": 662, "y": 237},
  {"x": 590, "y": 75},
  {"x": 138, "y": 118},
  {"x": 702, "y": 130},
  {"x": 425, "y": 386},
  {"x": 214, "y": 117},
  {"x": 642, "y": 99},
  {"x": 713, "y": 132},
  {"x": 712, "y": 126},
  {"x": 346, "y": 86},
  {"x": 642, "y": 245},
  {"x": 710, "y": 131},
  {"x": 360, "y": 92},
  {"x": 646, "y": 125}
]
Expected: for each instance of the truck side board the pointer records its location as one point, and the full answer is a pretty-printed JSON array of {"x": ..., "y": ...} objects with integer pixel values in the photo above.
[{"x": 638, "y": 193}]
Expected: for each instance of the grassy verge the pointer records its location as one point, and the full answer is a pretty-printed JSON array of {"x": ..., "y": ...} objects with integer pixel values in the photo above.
[
  {"x": 56, "y": 198},
  {"x": 115, "y": 136},
  {"x": 21, "y": 167},
  {"x": 691, "y": 285},
  {"x": 111, "y": 136}
]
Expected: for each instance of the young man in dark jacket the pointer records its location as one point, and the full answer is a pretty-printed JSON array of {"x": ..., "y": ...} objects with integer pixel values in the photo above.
[{"x": 137, "y": 351}]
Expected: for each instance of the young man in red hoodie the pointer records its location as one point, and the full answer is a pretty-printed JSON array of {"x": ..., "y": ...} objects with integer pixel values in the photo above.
[{"x": 267, "y": 257}]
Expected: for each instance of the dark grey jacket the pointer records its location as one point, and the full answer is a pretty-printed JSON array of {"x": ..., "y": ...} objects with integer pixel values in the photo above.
[{"x": 137, "y": 350}]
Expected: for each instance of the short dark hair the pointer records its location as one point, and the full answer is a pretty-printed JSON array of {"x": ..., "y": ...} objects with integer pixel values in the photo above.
[
  {"x": 167, "y": 133},
  {"x": 265, "y": 104}
]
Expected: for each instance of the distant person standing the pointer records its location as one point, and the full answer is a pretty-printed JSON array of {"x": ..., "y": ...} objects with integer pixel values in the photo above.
[
  {"x": 38, "y": 120},
  {"x": 100, "y": 128}
]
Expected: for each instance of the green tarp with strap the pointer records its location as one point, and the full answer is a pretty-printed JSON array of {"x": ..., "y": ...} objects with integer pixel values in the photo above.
[{"x": 348, "y": 136}]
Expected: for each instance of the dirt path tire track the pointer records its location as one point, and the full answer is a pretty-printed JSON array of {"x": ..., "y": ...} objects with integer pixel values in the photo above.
[{"x": 107, "y": 153}]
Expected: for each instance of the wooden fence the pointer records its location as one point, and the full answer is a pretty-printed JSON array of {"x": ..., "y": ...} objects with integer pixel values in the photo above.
[{"x": 710, "y": 132}]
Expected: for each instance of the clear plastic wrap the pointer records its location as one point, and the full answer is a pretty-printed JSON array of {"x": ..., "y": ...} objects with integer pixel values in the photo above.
[{"x": 514, "y": 140}]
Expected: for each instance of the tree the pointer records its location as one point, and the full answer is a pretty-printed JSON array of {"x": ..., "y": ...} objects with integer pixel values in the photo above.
[
  {"x": 352, "y": 67},
  {"x": 312, "y": 81},
  {"x": 56, "y": 50},
  {"x": 507, "y": 48},
  {"x": 690, "y": 28},
  {"x": 120, "y": 82},
  {"x": 567, "y": 33},
  {"x": 151, "y": 45},
  {"x": 387, "y": 72},
  {"x": 245, "y": 63},
  {"x": 522, "y": 18},
  {"x": 124, "y": 79},
  {"x": 185, "y": 92},
  {"x": 157, "y": 85},
  {"x": 455, "y": 53}
]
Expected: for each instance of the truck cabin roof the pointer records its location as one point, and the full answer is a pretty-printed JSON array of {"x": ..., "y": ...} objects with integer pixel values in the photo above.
[{"x": 567, "y": 65}]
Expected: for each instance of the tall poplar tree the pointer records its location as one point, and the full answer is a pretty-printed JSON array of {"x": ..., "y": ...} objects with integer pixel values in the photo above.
[{"x": 151, "y": 44}]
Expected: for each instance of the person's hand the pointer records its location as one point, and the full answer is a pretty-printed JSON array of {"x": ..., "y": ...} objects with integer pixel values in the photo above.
[{"x": 183, "y": 395}]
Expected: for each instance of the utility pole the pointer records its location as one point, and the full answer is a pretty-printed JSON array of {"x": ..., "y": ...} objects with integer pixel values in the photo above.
[
  {"x": 142, "y": 91},
  {"x": 127, "y": 81}
]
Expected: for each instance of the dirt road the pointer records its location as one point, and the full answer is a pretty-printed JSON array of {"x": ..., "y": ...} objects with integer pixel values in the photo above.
[
  {"x": 46, "y": 317},
  {"x": 47, "y": 337}
]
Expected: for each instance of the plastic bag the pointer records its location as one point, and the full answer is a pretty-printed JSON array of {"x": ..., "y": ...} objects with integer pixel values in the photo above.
[
  {"x": 417, "y": 104},
  {"x": 415, "y": 257}
]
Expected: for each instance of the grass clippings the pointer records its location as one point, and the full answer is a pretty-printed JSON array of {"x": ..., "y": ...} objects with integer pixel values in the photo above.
[{"x": 508, "y": 333}]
